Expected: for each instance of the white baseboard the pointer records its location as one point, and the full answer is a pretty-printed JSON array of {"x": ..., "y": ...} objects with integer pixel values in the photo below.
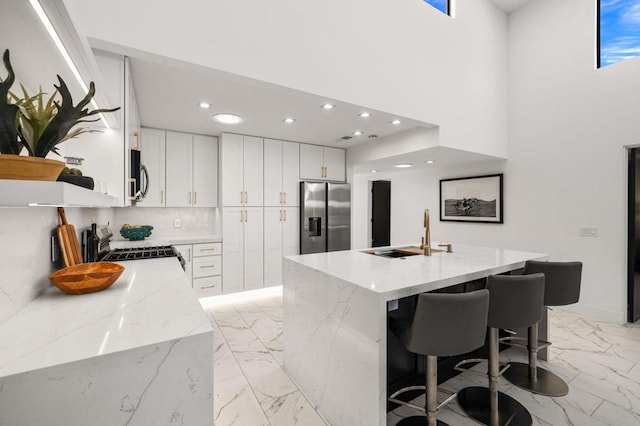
[{"x": 616, "y": 317}]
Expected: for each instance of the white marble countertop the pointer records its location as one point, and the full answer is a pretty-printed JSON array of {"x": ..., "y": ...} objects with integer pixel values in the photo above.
[
  {"x": 394, "y": 278},
  {"x": 151, "y": 302},
  {"x": 161, "y": 241}
]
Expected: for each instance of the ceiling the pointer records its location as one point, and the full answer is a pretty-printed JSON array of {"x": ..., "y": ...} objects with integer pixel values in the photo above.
[
  {"x": 510, "y": 5},
  {"x": 169, "y": 92}
]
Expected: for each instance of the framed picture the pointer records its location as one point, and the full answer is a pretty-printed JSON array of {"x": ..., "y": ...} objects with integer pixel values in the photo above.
[{"x": 471, "y": 199}]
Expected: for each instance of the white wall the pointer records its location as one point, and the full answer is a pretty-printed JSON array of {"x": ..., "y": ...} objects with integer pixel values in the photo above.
[
  {"x": 25, "y": 254},
  {"x": 568, "y": 125},
  {"x": 400, "y": 56}
]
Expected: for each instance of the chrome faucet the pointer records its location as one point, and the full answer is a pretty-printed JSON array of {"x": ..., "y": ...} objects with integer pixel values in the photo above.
[{"x": 426, "y": 240}]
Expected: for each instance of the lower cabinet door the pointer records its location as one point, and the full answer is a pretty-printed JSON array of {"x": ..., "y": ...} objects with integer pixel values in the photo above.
[
  {"x": 232, "y": 249},
  {"x": 253, "y": 248},
  {"x": 208, "y": 286},
  {"x": 273, "y": 219}
]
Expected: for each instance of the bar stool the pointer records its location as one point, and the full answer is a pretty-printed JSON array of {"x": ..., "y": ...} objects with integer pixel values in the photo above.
[
  {"x": 515, "y": 301},
  {"x": 562, "y": 287},
  {"x": 443, "y": 325}
]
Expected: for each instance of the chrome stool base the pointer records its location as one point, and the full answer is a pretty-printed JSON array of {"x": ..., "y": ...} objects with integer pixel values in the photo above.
[
  {"x": 547, "y": 383},
  {"x": 475, "y": 401},
  {"x": 418, "y": 421}
]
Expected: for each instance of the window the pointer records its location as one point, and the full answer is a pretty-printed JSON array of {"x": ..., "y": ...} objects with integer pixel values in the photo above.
[
  {"x": 441, "y": 5},
  {"x": 618, "y": 30}
]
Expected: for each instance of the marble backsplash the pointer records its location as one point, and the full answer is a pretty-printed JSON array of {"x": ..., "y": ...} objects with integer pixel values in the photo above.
[
  {"x": 194, "y": 221},
  {"x": 25, "y": 254}
]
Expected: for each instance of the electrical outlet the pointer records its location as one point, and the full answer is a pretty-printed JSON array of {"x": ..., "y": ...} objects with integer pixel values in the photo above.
[
  {"x": 588, "y": 231},
  {"x": 177, "y": 222}
]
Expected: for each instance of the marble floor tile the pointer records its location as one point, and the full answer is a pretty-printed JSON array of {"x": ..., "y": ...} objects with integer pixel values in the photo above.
[
  {"x": 611, "y": 414},
  {"x": 599, "y": 360},
  {"x": 235, "y": 404}
]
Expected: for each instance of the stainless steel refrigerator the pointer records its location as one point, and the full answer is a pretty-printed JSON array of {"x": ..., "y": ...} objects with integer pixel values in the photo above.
[{"x": 325, "y": 217}]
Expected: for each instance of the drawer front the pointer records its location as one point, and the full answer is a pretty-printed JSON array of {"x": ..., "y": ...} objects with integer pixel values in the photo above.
[
  {"x": 208, "y": 286},
  {"x": 207, "y": 249},
  {"x": 206, "y": 266}
]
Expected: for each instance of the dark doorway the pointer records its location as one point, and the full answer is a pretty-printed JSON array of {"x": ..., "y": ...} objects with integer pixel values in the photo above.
[
  {"x": 633, "y": 237},
  {"x": 380, "y": 213}
]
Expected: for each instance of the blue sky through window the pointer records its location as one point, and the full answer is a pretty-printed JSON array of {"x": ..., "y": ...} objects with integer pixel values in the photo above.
[
  {"x": 441, "y": 5},
  {"x": 619, "y": 30}
]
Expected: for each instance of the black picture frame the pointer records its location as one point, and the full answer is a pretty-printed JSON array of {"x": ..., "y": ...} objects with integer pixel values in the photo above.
[{"x": 474, "y": 199}]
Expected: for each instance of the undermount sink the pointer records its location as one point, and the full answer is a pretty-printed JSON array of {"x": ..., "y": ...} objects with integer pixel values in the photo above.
[{"x": 400, "y": 252}]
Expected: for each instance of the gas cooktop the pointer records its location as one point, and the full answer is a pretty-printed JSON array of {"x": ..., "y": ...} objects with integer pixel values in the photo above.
[{"x": 137, "y": 253}]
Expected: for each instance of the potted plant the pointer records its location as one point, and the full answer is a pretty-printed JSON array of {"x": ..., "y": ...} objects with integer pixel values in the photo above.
[{"x": 29, "y": 123}]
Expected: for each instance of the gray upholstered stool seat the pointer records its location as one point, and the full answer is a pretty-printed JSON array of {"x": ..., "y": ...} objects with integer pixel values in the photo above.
[
  {"x": 562, "y": 287},
  {"x": 515, "y": 301},
  {"x": 443, "y": 325}
]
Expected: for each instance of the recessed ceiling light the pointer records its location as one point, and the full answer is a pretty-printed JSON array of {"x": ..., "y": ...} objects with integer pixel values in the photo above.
[
  {"x": 403, "y": 165},
  {"x": 204, "y": 105},
  {"x": 226, "y": 118},
  {"x": 289, "y": 120},
  {"x": 328, "y": 106},
  {"x": 396, "y": 122},
  {"x": 429, "y": 161},
  {"x": 365, "y": 114},
  {"x": 357, "y": 133},
  {"x": 373, "y": 171}
]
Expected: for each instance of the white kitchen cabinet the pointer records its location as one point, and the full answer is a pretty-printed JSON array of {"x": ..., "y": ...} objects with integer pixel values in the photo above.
[
  {"x": 203, "y": 267},
  {"x": 207, "y": 269},
  {"x": 281, "y": 238},
  {"x": 243, "y": 251},
  {"x": 179, "y": 169},
  {"x": 322, "y": 163},
  {"x": 281, "y": 173},
  {"x": 191, "y": 170},
  {"x": 152, "y": 145},
  {"x": 242, "y": 170},
  {"x": 205, "y": 171}
]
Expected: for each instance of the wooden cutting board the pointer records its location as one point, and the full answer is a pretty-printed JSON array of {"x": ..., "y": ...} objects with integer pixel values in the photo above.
[{"x": 69, "y": 245}]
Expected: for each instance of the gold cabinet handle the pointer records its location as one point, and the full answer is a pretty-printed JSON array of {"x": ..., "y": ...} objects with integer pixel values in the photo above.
[
  {"x": 189, "y": 251},
  {"x": 246, "y": 216},
  {"x": 195, "y": 198},
  {"x": 208, "y": 249},
  {"x": 246, "y": 197},
  {"x": 285, "y": 215},
  {"x": 207, "y": 266},
  {"x": 280, "y": 215},
  {"x": 285, "y": 197},
  {"x": 241, "y": 216},
  {"x": 241, "y": 197},
  {"x": 209, "y": 286},
  {"x": 161, "y": 197},
  {"x": 137, "y": 136},
  {"x": 189, "y": 197}
]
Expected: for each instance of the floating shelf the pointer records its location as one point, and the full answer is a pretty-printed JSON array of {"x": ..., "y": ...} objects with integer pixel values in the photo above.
[{"x": 22, "y": 193}]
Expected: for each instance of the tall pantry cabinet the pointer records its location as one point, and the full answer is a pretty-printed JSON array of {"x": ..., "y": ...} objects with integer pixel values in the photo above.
[
  {"x": 242, "y": 212},
  {"x": 281, "y": 201}
]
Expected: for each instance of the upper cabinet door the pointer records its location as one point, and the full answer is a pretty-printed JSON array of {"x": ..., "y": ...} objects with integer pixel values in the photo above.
[
  {"x": 205, "y": 171},
  {"x": 334, "y": 163},
  {"x": 273, "y": 193},
  {"x": 152, "y": 144},
  {"x": 232, "y": 153},
  {"x": 253, "y": 171},
  {"x": 291, "y": 173},
  {"x": 179, "y": 169},
  {"x": 311, "y": 162}
]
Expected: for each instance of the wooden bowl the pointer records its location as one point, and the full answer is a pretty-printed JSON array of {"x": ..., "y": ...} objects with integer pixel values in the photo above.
[{"x": 86, "y": 277}]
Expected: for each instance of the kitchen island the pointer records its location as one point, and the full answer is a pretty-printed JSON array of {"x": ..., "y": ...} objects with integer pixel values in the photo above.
[
  {"x": 137, "y": 353},
  {"x": 335, "y": 319}
]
